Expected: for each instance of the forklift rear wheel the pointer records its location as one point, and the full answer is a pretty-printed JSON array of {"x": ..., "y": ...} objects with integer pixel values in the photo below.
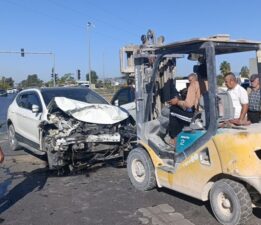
[
  {"x": 141, "y": 170},
  {"x": 230, "y": 202}
]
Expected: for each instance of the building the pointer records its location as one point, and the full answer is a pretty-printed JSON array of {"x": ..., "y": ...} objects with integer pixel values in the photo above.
[{"x": 252, "y": 65}]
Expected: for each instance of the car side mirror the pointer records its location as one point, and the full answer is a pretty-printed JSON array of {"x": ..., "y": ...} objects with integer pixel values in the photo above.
[
  {"x": 35, "y": 108},
  {"x": 116, "y": 102}
]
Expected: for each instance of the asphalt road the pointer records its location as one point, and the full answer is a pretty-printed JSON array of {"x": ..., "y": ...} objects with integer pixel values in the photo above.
[{"x": 103, "y": 195}]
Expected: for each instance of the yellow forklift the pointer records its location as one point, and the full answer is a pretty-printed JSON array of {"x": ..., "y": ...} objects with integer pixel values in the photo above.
[{"x": 210, "y": 162}]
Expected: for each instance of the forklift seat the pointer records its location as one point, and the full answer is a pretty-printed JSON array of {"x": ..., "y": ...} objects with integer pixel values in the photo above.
[{"x": 224, "y": 108}]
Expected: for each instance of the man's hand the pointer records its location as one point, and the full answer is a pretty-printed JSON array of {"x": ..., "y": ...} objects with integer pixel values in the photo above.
[
  {"x": 1, "y": 155},
  {"x": 173, "y": 101},
  {"x": 239, "y": 122}
]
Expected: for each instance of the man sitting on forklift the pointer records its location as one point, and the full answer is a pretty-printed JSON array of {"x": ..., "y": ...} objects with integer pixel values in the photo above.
[{"x": 181, "y": 111}]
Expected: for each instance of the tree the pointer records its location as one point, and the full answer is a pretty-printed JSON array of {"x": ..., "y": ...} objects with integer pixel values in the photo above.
[
  {"x": 220, "y": 80},
  {"x": 6, "y": 82},
  {"x": 244, "y": 72},
  {"x": 67, "y": 79},
  {"x": 94, "y": 77},
  {"x": 224, "y": 67},
  {"x": 31, "y": 81}
]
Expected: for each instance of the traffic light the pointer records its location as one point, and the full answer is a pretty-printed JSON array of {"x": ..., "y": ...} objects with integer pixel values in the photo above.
[
  {"x": 52, "y": 74},
  {"x": 55, "y": 76},
  {"x": 22, "y": 52},
  {"x": 79, "y": 74}
]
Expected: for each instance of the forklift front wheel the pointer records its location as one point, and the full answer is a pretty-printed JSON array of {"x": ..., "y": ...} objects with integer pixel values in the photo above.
[
  {"x": 230, "y": 202},
  {"x": 141, "y": 170}
]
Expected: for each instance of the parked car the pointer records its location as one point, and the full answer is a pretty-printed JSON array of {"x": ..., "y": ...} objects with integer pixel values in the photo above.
[
  {"x": 11, "y": 91},
  {"x": 3, "y": 93},
  {"x": 73, "y": 126},
  {"x": 245, "y": 84}
]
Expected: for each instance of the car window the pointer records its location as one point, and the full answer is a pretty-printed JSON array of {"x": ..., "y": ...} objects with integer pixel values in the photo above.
[
  {"x": 79, "y": 94},
  {"x": 33, "y": 99},
  {"x": 124, "y": 96},
  {"x": 27, "y": 100},
  {"x": 22, "y": 100}
]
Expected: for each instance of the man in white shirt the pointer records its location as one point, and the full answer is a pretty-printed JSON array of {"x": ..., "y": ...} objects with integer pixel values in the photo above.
[{"x": 239, "y": 98}]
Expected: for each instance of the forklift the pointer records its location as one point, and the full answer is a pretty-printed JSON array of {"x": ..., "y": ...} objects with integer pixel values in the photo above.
[{"x": 210, "y": 162}]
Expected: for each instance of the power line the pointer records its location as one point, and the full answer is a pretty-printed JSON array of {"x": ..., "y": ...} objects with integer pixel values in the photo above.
[
  {"x": 92, "y": 19},
  {"x": 119, "y": 18}
]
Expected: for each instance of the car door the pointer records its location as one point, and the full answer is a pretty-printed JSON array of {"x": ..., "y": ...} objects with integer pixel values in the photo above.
[
  {"x": 124, "y": 96},
  {"x": 27, "y": 120},
  {"x": 126, "y": 100}
]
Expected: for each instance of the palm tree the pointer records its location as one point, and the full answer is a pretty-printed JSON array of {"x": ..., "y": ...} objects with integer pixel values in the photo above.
[
  {"x": 244, "y": 72},
  {"x": 224, "y": 67}
]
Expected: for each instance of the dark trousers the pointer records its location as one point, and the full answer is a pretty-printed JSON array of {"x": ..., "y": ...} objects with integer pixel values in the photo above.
[
  {"x": 176, "y": 124},
  {"x": 254, "y": 116}
]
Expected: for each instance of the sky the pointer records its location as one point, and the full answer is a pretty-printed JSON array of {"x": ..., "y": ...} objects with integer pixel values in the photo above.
[{"x": 60, "y": 27}]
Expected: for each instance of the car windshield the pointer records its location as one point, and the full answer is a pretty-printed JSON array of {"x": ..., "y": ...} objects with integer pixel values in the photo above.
[{"x": 79, "y": 94}]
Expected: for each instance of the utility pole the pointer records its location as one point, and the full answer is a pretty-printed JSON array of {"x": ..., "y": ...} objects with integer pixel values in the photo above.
[
  {"x": 89, "y": 26},
  {"x": 53, "y": 71},
  {"x": 103, "y": 65}
]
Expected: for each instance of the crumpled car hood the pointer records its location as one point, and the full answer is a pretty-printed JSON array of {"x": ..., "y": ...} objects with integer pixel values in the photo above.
[{"x": 91, "y": 113}]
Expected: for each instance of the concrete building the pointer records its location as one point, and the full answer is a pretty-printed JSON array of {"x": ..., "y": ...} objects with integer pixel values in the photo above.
[{"x": 252, "y": 65}]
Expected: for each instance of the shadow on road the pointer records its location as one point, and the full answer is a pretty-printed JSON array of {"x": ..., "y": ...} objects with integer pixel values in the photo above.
[
  {"x": 188, "y": 199},
  {"x": 35, "y": 179},
  {"x": 181, "y": 196}
]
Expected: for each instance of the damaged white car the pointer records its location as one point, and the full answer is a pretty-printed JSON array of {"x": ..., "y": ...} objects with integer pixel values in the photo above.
[{"x": 74, "y": 127}]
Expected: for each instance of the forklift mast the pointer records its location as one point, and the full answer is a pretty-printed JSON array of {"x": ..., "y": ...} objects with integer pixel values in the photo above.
[{"x": 152, "y": 83}]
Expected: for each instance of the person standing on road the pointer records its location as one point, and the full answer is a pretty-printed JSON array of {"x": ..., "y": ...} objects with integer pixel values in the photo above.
[
  {"x": 254, "y": 108},
  {"x": 239, "y": 98}
]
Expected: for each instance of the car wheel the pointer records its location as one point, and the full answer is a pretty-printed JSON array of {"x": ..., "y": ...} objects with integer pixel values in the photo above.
[
  {"x": 230, "y": 202},
  {"x": 12, "y": 139},
  {"x": 141, "y": 170}
]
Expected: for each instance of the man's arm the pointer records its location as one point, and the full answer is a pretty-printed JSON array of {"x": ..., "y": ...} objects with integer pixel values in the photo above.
[
  {"x": 1, "y": 155},
  {"x": 243, "y": 112},
  {"x": 244, "y": 103},
  {"x": 191, "y": 97}
]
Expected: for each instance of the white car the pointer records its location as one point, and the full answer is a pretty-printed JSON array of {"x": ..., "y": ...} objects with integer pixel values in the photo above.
[{"x": 73, "y": 126}]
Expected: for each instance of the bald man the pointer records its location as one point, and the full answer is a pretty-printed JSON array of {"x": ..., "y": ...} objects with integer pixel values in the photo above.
[{"x": 239, "y": 98}]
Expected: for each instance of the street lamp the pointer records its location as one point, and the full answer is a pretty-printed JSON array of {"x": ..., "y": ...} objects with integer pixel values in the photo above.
[{"x": 89, "y": 26}]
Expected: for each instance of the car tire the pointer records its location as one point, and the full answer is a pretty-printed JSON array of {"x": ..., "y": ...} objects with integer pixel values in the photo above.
[
  {"x": 11, "y": 138},
  {"x": 230, "y": 202},
  {"x": 141, "y": 170}
]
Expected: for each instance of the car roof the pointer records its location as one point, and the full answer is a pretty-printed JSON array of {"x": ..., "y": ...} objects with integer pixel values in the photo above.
[
  {"x": 62, "y": 88},
  {"x": 53, "y": 88}
]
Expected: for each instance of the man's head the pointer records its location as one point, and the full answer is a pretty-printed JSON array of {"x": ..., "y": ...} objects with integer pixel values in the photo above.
[
  {"x": 192, "y": 77},
  {"x": 230, "y": 80},
  {"x": 254, "y": 79}
]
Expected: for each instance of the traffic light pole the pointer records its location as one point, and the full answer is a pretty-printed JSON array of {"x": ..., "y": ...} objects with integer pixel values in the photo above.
[
  {"x": 89, "y": 26},
  {"x": 22, "y": 52}
]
